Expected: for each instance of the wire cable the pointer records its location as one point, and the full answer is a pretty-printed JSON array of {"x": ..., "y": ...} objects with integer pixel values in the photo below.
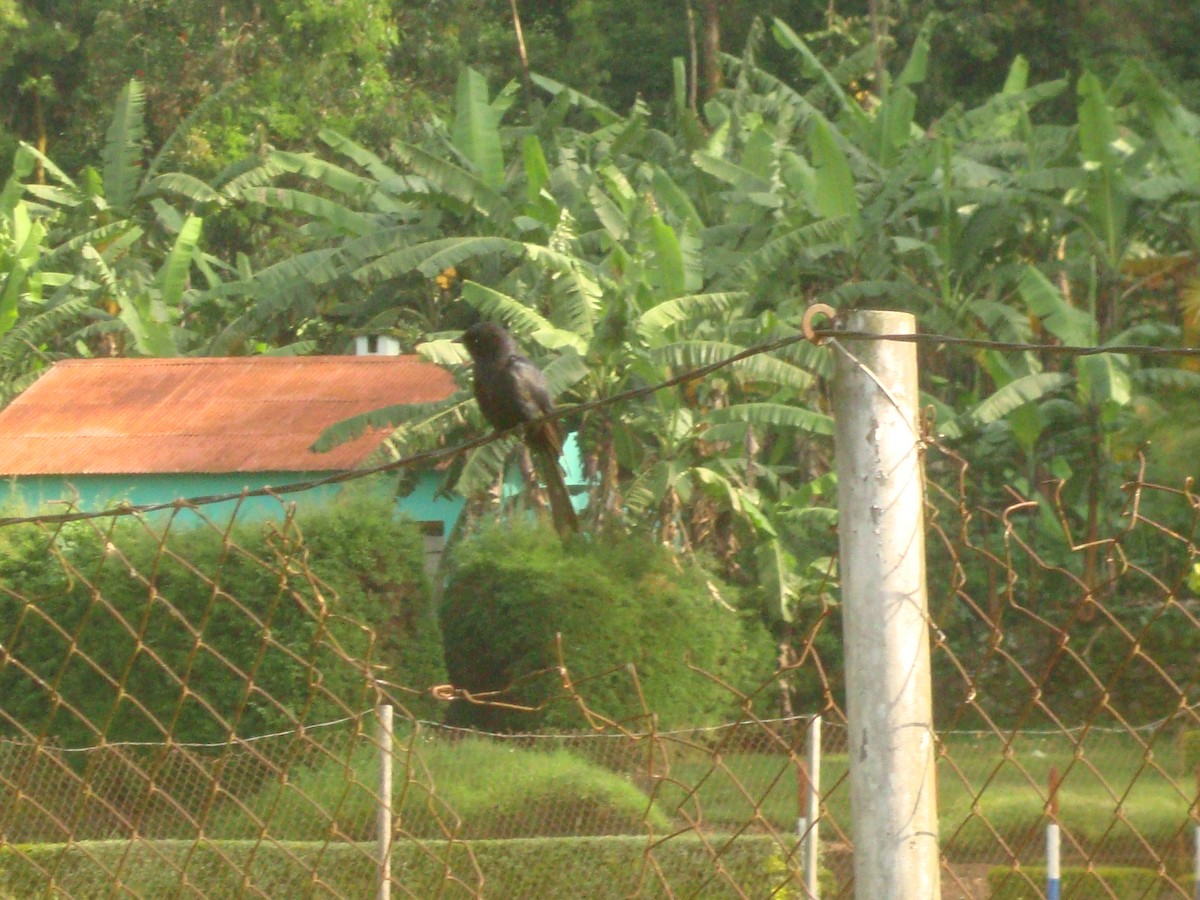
[{"x": 434, "y": 456}]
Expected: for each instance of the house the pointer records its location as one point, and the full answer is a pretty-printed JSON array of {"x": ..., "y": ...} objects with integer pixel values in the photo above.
[{"x": 103, "y": 431}]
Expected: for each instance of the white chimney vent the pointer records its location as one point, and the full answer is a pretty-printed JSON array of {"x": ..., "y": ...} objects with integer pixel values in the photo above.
[{"x": 376, "y": 345}]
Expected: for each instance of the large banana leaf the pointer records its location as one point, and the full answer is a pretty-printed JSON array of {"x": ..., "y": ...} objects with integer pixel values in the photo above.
[
  {"x": 610, "y": 214},
  {"x": 484, "y": 466},
  {"x": 1017, "y": 393},
  {"x": 770, "y": 416},
  {"x": 540, "y": 204},
  {"x": 1097, "y": 138},
  {"x": 338, "y": 215},
  {"x": 1069, "y": 324},
  {"x": 391, "y": 417},
  {"x": 735, "y": 175},
  {"x": 835, "y": 195},
  {"x": 601, "y": 113},
  {"x": 455, "y": 182},
  {"x": 431, "y": 257},
  {"x": 676, "y": 274},
  {"x": 565, "y": 371},
  {"x": 1162, "y": 379},
  {"x": 674, "y": 199},
  {"x": 776, "y": 567},
  {"x": 173, "y": 276},
  {"x": 814, "y": 240},
  {"x": 1169, "y": 121},
  {"x": 335, "y": 177},
  {"x": 122, "y": 154},
  {"x": 686, "y": 355},
  {"x": 999, "y": 116},
  {"x": 520, "y": 318},
  {"x": 19, "y": 258},
  {"x": 187, "y": 186},
  {"x": 583, "y": 290},
  {"x": 387, "y": 177},
  {"x": 23, "y": 164},
  {"x": 476, "y": 131},
  {"x": 846, "y": 105},
  {"x": 653, "y": 324}
]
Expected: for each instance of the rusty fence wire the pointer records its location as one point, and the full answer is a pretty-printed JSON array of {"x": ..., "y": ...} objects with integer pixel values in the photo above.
[{"x": 206, "y": 725}]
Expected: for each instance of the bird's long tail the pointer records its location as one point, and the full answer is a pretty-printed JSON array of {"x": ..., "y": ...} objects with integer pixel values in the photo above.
[{"x": 545, "y": 463}]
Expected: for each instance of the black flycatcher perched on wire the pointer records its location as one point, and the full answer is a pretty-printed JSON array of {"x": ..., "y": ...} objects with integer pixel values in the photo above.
[{"x": 511, "y": 391}]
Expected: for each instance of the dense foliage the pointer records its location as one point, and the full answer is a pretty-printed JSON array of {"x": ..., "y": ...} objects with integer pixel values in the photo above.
[
  {"x": 206, "y": 633},
  {"x": 374, "y": 69},
  {"x": 514, "y": 593}
]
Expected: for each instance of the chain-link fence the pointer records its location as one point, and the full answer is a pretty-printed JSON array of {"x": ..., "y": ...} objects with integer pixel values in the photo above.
[
  {"x": 1065, "y": 681},
  {"x": 189, "y": 708},
  {"x": 191, "y": 812}
]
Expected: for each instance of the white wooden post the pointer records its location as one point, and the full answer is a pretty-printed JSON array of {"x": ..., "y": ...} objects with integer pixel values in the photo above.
[
  {"x": 383, "y": 822},
  {"x": 885, "y": 611},
  {"x": 812, "y": 847}
]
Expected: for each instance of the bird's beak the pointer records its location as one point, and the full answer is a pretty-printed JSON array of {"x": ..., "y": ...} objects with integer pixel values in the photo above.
[{"x": 459, "y": 339}]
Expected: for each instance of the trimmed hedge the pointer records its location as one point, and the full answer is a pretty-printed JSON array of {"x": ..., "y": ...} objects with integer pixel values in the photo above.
[
  {"x": 86, "y": 608},
  {"x": 580, "y": 868},
  {"x": 616, "y": 602},
  {"x": 1121, "y": 881}
]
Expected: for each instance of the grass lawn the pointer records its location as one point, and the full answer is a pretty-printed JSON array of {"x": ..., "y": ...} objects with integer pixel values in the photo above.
[
  {"x": 1112, "y": 791},
  {"x": 1118, "y": 804}
]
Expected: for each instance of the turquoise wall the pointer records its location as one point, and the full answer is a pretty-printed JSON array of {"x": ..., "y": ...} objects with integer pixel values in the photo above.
[{"x": 30, "y": 494}]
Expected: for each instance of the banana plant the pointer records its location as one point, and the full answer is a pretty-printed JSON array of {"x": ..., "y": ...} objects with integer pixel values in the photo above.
[
  {"x": 22, "y": 244},
  {"x": 134, "y": 255},
  {"x": 602, "y": 272}
]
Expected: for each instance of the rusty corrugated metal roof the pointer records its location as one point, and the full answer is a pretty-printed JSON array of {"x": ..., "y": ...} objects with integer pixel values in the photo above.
[{"x": 233, "y": 414}]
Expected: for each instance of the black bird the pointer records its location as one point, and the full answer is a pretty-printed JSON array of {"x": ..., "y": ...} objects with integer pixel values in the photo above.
[{"x": 511, "y": 391}]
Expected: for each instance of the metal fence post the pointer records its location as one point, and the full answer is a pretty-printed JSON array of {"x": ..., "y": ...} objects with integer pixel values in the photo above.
[
  {"x": 885, "y": 611},
  {"x": 383, "y": 824}
]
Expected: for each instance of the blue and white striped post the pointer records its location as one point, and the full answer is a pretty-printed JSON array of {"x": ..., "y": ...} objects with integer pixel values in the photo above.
[
  {"x": 1053, "y": 870},
  {"x": 1053, "y": 842}
]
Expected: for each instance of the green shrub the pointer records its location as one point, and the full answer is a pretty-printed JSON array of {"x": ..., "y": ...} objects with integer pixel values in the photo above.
[
  {"x": 122, "y": 632},
  {"x": 617, "y": 603},
  {"x": 579, "y": 868},
  {"x": 1101, "y": 881},
  {"x": 469, "y": 788}
]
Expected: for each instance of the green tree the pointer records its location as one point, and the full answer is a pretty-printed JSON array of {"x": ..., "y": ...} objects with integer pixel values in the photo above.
[{"x": 41, "y": 68}]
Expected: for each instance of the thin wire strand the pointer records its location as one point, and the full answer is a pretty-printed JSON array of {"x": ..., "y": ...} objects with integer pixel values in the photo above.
[
  {"x": 1012, "y": 346},
  {"x": 438, "y": 455}
]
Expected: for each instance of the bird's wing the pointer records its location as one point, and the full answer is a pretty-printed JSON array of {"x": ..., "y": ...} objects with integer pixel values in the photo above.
[
  {"x": 530, "y": 388},
  {"x": 532, "y": 393}
]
